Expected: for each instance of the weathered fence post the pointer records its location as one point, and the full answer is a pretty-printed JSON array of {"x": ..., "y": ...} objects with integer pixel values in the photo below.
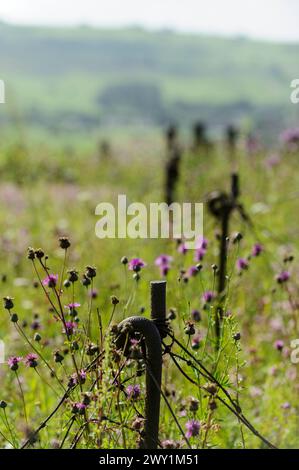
[
  {"x": 221, "y": 206},
  {"x": 152, "y": 331},
  {"x": 174, "y": 155}
]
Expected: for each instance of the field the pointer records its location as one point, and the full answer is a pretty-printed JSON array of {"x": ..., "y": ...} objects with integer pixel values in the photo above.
[
  {"x": 78, "y": 390},
  {"x": 77, "y": 79}
]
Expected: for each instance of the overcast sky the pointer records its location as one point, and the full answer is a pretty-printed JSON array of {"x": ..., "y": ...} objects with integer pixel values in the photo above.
[{"x": 267, "y": 19}]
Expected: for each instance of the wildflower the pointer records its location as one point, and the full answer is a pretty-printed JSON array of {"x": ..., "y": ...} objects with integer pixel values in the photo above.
[
  {"x": 87, "y": 397},
  {"x": 64, "y": 243},
  {"x": 163, "y": 260},
  {"x": 73, "y": 308},
  {"x": 257, "y": 249},
  {"x": 199, "y": 254},
  {"x": 195, "y": 314},
  {"x": 283, "y": 277},
  {"x": 92, "y": 349},
  {"x": 8, "y": 303},
  {"x": 58, "y": 357},
  {"x": 208, "y": 296},
  {"x": 169, "y": 444},
  {"x": 77, "y": 379},
  {"x": 195, "y": 343},
  {"x": 137, "y": 424},
  {"x": 279, "y": 344},
  {"x": 189, "y": 328},
  {"x": 73, "y": 275},
  {"x": 211, "y": 388},
  {"x": 79, "y": 408},
  {"x": 242, "y": 264},
  {"x": 164, "y": 270},
  {"x": 133, "y": 391},
  {"x": 51, "y": 280},
  {"x": 193, "y": 404},
  {"x": 172, "y": 314},
  {"x": 14, "y": 318},
  {"x": 86, "y": 281},
  {"x": 237, "y": 237},
  {"x": 286, "y": 406},
  {"x": 114, "y": 300},
  {"x": 212, "y": 405},
  {"x": 39, "y": 253},
  {"x": 201, "y": 249},
  {"x": 193, "y": 428},
  {"x": 90, "y": 272},
  {"x": 291, "y": 137},
  {"x": 13, "y": 362},
  {"x": 31, "y": 253},
  {"x": 136, "y": 264},
  {"x": 66, "y": 284},
  {"x": 94, "y": 293},
  {"x": 31, "y": 360},
  {"x": 35, "y": 325},
  {"x": 192, "y": 271},
  {"x": 182, "y": 248},
  {"x": 69, "y": 328}
]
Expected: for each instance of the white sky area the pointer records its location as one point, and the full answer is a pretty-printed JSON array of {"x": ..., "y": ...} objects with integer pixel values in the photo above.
[{"x": 266, "y": 19}]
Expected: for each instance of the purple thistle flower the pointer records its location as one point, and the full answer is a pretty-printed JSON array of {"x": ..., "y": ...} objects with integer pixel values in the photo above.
[
  {"x": 182, "y": 248},
  {"x": 163, "y": 260},
  {"x": 75, "y": 379},
  {"x": 69, "y": 328},
  {"x": 291, "y": 137},
  {"x": 257, "y": 249},
  {"x": 284, "y": 276},
  {"x": 279, "y": 344},
  {"x": 193, "y": 428},
  {"x": 133, "y": 391},
  {"x": 199, "y": 254},
  {"x": 31, "y": 360},
  {"x": 195, "y": 314},
  {"x": 73, "y": 305},
  {"x": 35, "y": 325},
  {"x": 13, "y": 362},
  {"x": 192, "y": 271},
  {"x": 202, "y": 243},
  {"x": 51, "y": 280},
  {"x": 94, "y": 293},
  {"x": 82, "y": 376},
  {"x": 78, "y": 408},
  {"x": 286, "y": 406},
  {"x": 164, "y": 270},
  {"x": 136, "y": 264},
  {"x": 242, "y": 264},
  {"x": 73, "y": 308},
  {"x": 169, "y": 444},
  {"x": 195, "y": 343},
  {"x": 208, "y": 296}
]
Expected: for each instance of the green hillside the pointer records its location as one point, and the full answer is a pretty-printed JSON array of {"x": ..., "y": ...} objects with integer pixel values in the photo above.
[{"x": 83, "y": 76}]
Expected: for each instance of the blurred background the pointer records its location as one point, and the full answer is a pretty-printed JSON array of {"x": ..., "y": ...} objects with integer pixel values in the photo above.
[{"x": 101, "y": 67}]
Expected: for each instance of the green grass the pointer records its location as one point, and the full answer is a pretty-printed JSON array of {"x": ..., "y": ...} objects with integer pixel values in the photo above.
[{"x": 47, "y": 192}]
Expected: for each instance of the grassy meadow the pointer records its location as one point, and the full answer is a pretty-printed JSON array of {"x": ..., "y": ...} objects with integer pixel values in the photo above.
[{"x": 78, "y": 390}]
